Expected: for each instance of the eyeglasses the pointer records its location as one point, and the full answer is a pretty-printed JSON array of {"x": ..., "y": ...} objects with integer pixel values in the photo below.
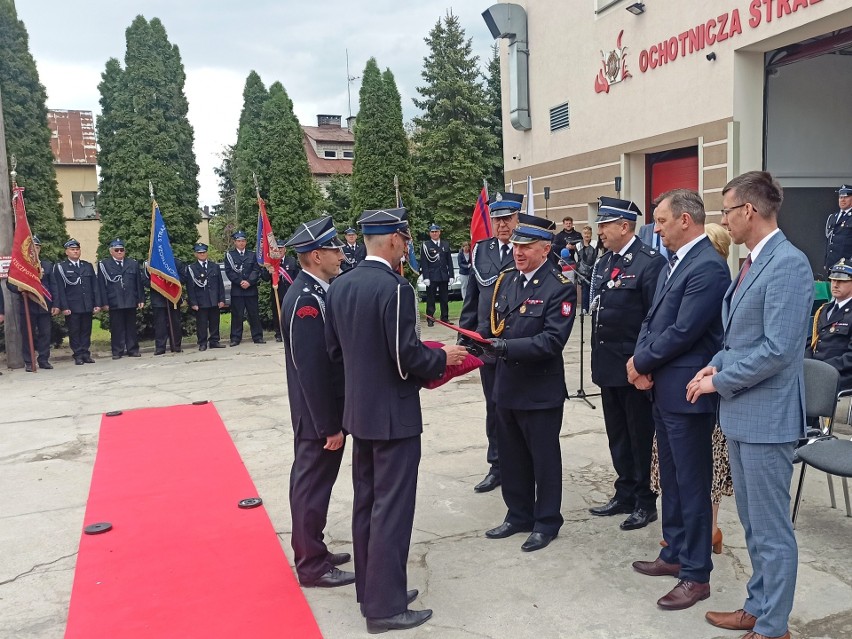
[
  {"x": 728, "y": 210},
  {"x": 118, "y": 250}
]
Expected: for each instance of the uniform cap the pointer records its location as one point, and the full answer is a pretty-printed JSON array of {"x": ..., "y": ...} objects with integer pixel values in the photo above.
[
  {"x": 612, "y": 208},
  {"x": 532, "y": 229},
  {"x": 281, "y": 242},
  {"x": 841, "y": 271},
  {"x": 350, "y": 230},
  {"x": 72, "y": 243},
  {"x": 384, "y": 221},
  {"x": 117, "y": 243},
  {"x": 200, "y": 248},
  {"x": 36, "y": 241},
  {"x": 504, "y": 204},
  {"x": 316, "y": 234},
  {"x": 238, "y": 235},
  {"x": 845, "y": 190},
  {"x": 434, "y": 227}
]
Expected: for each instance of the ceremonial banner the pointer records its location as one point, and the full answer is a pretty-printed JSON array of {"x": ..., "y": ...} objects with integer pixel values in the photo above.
[
  {"x": 165, "y": 278},
  {"x": 266, "y": 243},
  {"x": 480, "y": 222},
  {"x": 25, "y": 267}
]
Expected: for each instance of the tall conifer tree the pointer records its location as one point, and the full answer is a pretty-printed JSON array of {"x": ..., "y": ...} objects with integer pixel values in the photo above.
[
  {"x": 494, "y": 95},
  {"x": 145, "y": 135},
  {"x": 453, "y": 137},
  {"x": 248, "y": 157},
  {"x": 27, "y": 132}
]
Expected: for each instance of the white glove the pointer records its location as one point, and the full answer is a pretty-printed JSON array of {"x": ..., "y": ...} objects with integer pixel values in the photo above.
[
  {"x": 451, "y": 282},
  {"x": 426, "y": 283}
]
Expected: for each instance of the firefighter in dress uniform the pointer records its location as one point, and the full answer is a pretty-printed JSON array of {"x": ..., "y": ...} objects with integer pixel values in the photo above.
[
  {"x": 436, "y": 267},
  {"x": 838, "y": 229},
  {"x": 122, "y": 292},
  {"x": 205, "y": 291},
  {"x": 78, "y": 296},
  {"x": 353, "y": 251},
  {"x": 242, "y": 269},
  {"x": 831, "y": 339}
]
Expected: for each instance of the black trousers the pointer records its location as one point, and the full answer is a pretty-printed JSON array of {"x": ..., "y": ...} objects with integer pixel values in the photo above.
[
  {"x": 163, "y": 332},
  {"x": 531, "y": 467},
  {"x": 685, "y": 447},
  {"x": 312, "y": 477},
  {"x": 79, "y": 334},
  {"x": 41, "y": 335},
  {"x": 240, "y": 307},
  {"x": 442, "y": 289},
  {"x": 276, "y": 311},
  {"x": 122, "y": 331},
  {"x": 384, "y": 476},
  {"x": 486, "y": 376},
  {"x": 630, "y": 430},
  {"x": 207, "y": 325}
]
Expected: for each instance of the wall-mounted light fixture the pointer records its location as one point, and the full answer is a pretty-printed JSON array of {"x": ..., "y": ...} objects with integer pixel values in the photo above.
[
  {"x": 711, "y": 56},
  {"x": 618, "y": 184},
  {"x": 637, "y": 8}
]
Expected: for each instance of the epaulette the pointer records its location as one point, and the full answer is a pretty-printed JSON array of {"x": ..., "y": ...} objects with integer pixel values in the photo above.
[
  {"x": 647, "y": 250},
  {"x": 560, "y": 277}
]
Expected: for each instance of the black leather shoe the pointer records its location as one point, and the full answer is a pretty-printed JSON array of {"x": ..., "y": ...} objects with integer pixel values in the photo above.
[
  {"x": 115, "y": 357},
  {"x": 260, "y": 341},
  {"x": 338, "y": 558},
  {"x": 612, "y": 507},
  {"x": 203, "y": 347},
  {"x": 233, "y": 343},
  {"x": 488, "y": 484},
  {"x": 134, "y": 354},
  {"x": 411, "y": 595},
  {"x": 639, "y": 518},
  {"x": 536, "y": 541},
  {"x": 402, "y": 621},
  {"x": 217, "y": 345},
  {"x": 430, "y": 323},
  {"x": 278, "y": 338},
  {"x": 332, "y": 579},
  {"x": 88, "y": 360},
  {"x": 28, "y": 368},
  {"x": 78, "y": 362},
  {"x": 505, "y": 530},
  {"x": 46, "y": 365},
  {"x": 159, "y": 352}
]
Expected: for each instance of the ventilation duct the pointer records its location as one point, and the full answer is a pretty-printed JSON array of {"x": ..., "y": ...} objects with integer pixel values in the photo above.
[{"x": 510, "y": 21}]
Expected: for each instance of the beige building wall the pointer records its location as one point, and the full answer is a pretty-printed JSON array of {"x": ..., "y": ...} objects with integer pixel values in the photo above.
[
  {"x": 72, "y": 179},
  {"x": 688, "y": 100}
]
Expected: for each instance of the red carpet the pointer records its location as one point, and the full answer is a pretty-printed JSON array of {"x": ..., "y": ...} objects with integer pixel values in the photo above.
[{"x": 182, "y": 560}]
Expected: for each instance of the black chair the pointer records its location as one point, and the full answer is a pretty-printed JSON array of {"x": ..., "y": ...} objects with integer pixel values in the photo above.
[{"x": 821, "y": 398}]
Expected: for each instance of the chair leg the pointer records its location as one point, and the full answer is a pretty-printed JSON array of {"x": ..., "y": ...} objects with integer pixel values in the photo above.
[
  {"x": 846, "y": 496},
  {"x": 798, "y": 500},
  {"x": 831, "y": 491}
]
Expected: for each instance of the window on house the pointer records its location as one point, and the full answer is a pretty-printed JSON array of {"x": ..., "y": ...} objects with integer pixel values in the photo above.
[
  {"x": 349, "y": 154},
  {"x": 329, "y": 154},
  {"x": 84, "y": 205}
]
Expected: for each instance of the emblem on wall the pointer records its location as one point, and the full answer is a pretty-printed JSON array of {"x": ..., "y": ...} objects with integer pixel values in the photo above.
[{"x": 614, "y": 67}]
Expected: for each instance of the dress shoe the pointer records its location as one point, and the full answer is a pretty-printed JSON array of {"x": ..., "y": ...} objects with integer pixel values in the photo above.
[
  {"x": 505, "y": 530},
  {"x": 217, "y": 345},
  {"x": 639, "y": 518},
  {"x": 260, "y": 341},
  {"x": 757, "y": 635},
  {"x": 430, "y": 323},
  {"x": 134, "y": 354},
  {"x": 685, "y": 595},
  {"x": 278, "y": 338},
  {"x": 338, "y": 558},
  {"x": 88, "y": 360},
  {"x": 178, "y": 350},
  {"x": 159, "y": 352},
  {"x": 536, "y": 541},
  {"x": 612, "y": 507},
  {"x": 116, "y": 356},
  {"x": 490, "y": 482},
  {"x": 737, "y": 620},
  {"x": 46, "y": 365},
  {"x": 28, "y": 368},
  {"x": 234, "y": 343},
  {"x": 410, "y": 596},
  {"x": 332, "y": 579},
  {"x": 402, "y": 621},
  {"x": 717, "y": 542},
  {"x": 78, "y": 362},
  {"x": 203, "y": 347},
  {"x": 657, "y": 568}
]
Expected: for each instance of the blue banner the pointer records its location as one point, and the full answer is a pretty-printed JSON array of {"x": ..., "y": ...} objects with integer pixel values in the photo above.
[{"x": 161, "y": 260}]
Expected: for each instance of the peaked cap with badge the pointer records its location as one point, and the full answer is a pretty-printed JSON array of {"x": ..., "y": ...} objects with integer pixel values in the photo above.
[{"x": 315, "y": 234}]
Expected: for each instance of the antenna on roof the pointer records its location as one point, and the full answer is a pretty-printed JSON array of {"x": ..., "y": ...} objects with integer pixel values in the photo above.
[{"x": 349, "y": 80}]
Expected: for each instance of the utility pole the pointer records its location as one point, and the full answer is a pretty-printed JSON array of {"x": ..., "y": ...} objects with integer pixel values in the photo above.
[{"x": 14, "y": 358}]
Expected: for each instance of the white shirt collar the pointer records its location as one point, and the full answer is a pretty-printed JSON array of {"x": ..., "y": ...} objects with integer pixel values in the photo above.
[
  {"x": 376, "y": 258},
  {"x": 759, "y": 246},
  {"x": 322, "y": 283},
  {"x": 684, "y": 250},
  {"x": 529, "y": 276},
  {"x": 841, "y": 304},
  {"x": 623, "y": 250}
]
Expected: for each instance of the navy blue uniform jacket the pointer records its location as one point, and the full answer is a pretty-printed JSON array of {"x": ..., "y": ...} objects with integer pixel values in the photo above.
[{"x": 384, "y": 361}]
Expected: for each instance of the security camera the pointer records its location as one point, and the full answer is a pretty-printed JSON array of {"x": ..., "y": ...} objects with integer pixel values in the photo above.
[{"x": 516, "y": 157}]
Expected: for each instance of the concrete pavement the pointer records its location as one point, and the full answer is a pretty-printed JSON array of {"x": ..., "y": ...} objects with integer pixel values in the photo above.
[{"x": 582, "y": 585}]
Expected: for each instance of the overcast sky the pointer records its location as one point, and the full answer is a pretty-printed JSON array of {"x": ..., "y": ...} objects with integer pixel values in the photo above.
[{"x": 301, "y": 43}]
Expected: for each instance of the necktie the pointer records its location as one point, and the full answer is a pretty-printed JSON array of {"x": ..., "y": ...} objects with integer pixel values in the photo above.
[
  {"x": 524, "y": 280},
  {"x": 743, "y": 272},
  {"x": 835, "y": 313},
  {"x": 121, "y": 265},
  {"x": 672, "y": 263},
  {"x": 504, "y": 251}
]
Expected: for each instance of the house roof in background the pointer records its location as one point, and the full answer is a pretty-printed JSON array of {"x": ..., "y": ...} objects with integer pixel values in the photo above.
[{"x": 72, "y": 137}]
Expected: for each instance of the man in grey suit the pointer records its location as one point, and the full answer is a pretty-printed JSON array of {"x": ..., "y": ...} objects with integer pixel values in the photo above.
[{"x": 758, "y": 376}]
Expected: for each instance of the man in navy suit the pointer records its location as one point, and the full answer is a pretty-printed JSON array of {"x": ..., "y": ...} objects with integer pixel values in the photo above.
[
  {"x": 758, "y": 373},
  {"x": 682, "y": 331},
  {"x": 381, "y": 411},
  {"x": 315, "y": 388}
]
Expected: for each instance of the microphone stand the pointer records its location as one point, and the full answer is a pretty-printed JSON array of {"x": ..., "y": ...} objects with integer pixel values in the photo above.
[{"x": 581, "y": 392}]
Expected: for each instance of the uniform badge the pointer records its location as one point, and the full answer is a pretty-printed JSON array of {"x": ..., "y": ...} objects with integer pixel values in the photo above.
[
  {"x": 307, "y": 311},
  {"x": 524, "y": 309},
  {"x": 628, "y": 258},
  {"x": 567, "y": 307},
  {"x": 535, "y": 281}
]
